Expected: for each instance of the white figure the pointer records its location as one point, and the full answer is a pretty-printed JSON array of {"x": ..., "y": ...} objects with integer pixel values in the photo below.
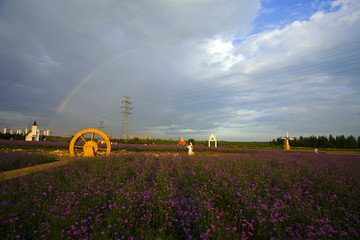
[{"x": 190, "y": 147}]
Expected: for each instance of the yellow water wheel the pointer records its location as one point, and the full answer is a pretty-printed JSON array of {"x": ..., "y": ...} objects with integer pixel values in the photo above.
[{"x": 89, "y": 143}]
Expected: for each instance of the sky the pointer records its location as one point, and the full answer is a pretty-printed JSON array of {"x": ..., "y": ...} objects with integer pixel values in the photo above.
[{"x": 243, "y": 70}]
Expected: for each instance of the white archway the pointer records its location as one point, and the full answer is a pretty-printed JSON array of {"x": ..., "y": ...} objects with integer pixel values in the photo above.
[{"x": 212, "y": 138}]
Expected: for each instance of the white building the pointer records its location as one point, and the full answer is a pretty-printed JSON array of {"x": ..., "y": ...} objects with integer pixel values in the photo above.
[
  {"x": 6, "y": 130},
  {"x": 47, "y": 133},
  {"x": 19, "y": 131},
  {"x": 34, "y": 135}
]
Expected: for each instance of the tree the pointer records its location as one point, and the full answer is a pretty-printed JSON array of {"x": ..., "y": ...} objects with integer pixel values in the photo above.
[
  {"x": 323, "y": 142},
  {"x": 341, "y": 141},
  {"x": 332, "y": 141},
  {"x": 313, "y": 141},
  {"x": 351, "y": 142}
]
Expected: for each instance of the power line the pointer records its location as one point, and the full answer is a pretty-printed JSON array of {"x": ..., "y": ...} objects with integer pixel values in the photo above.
[{"x": 335, "y": 60}]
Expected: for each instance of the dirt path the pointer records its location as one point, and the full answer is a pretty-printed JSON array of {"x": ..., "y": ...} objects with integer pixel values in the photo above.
[{"x": 24, "y": 171}]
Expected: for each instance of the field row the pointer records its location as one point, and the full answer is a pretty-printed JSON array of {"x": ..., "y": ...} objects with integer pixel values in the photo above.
[
  {"x": 22, "y": 159},
  {"x": 285, "y": 195}
]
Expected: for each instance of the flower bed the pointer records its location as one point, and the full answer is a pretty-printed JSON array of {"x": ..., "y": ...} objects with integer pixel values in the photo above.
[
  {"x": 20, "y": 159},
  {"x": 174, "y": 148},
  {"x": 265, "y": 194},
  {"x": 28, "y": 145},
  {"x": 14, "y": 144}
]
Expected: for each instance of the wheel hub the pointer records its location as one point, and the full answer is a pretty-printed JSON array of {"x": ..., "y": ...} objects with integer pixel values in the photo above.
[{"x": 90, "y": 148}]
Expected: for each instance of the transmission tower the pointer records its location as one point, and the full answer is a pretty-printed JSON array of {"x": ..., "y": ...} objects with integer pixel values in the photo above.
[
  {"x": 125, "y": 125},
  {"x": 101, "y": 127}
]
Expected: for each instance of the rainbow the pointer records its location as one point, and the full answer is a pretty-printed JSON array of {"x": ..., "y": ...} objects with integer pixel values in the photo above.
[{"x": 99, "y": 68}]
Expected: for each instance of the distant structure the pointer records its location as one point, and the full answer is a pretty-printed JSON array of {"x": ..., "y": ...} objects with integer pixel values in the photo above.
[
  {"x": 140, "y": 137},
  {"x": 125, "y": 125},
  {"x": 34, "y": 135},
  {"x": 101, "y": 126},
  {"x": 182, "y": 142},
  {"x": 48, "y": 133},
  {"x": 19, "y": 131},
  {"x": 6, "y": 130},
  {"x": 212, "y": 138},
  {"x": 110, "y": 136},
  {"x": 286, "y": 142},
  {"x": 29, "y": 131}
]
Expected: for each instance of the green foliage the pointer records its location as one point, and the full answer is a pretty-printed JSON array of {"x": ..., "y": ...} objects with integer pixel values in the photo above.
[
  {"x": 12, "y": 136},
  {"x": 340, "y": 142}
]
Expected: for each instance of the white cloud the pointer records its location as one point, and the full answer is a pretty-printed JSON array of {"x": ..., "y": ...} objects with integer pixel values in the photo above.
[
  {"x": 322, "y": 31},
  {"x": 221, "y": 54},
  {"x": 302, "y": 69}
]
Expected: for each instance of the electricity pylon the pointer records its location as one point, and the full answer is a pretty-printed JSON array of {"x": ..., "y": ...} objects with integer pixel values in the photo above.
[
  {"x": 101, "y": 127},
  {"x": 125, "y": 125}
]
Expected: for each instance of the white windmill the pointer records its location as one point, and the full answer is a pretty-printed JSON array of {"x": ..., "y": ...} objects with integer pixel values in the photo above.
[{"x": 286, "y": 142}]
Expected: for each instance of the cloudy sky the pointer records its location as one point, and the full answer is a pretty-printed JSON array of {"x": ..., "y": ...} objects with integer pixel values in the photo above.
[{"x": 243, "y": 70}]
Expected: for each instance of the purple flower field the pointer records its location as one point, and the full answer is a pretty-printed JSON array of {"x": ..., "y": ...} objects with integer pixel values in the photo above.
[
  {"x": 173, "y": 148},
  {"x": 16, "y": 160},
  {"x": 258, "y": 195},
  {"x": 32, "y": 144},
  {"x": 114, "y": 147}
]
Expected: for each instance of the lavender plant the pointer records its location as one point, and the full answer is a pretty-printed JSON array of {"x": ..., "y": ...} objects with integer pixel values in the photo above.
[
  {"x": 16, "y": 160},
  {"x": 32, "y": 144},
  {"x": 262, "y": 195},
  {"x": 29, "y": 145}
]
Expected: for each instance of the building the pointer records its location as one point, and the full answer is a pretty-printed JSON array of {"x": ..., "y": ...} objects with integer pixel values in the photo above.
[
  {"x": 48, "y": 133},
  {"x": 19, "y": 131},
  {"x": 34, "y": 135},
  {"x": 6, "y": 130}
]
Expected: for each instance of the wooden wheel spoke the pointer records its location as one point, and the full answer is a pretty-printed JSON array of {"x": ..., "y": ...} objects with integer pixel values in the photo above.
[
  {"x": 82, "y": 137},
  {"x": 102, "y": 139},
  {"x": 102, "y": 149},
  {"x": 92, "y": 136}
]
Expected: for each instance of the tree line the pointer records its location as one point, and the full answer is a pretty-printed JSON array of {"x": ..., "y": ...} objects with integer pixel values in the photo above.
[
  {"x": 341, "y": 141},
  {"x": 12, "y": 136}
]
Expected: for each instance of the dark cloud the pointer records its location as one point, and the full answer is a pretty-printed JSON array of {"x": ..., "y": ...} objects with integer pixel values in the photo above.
[{"x": 178, "y": 64}]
